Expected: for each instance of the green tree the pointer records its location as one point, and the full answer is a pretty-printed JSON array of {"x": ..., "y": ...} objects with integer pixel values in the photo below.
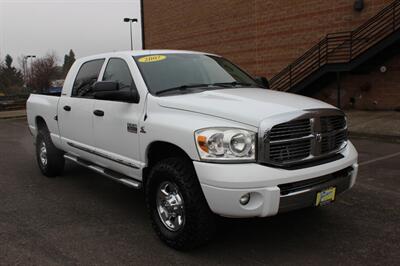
[
  {"x": 8, "y": 61},
  {"x": 69, "y": 59},
  {"x": 9, "y": 75}
]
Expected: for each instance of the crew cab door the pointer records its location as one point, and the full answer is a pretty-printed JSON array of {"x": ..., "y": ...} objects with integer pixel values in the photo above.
[
  {"x": 116, "y": 123},
  {"x": 75, "y": 111}
]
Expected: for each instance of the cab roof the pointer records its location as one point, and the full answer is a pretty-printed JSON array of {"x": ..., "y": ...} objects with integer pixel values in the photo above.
[{"x": 139, "y": 53}]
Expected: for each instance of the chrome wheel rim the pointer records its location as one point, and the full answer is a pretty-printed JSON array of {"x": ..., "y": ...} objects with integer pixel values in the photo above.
[
  {"x": 43, "y": 153},
  {"x": 170, "y": 206}
]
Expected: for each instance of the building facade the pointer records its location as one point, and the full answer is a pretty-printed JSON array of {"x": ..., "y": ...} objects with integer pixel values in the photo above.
[{"x": 264, "y": 37}]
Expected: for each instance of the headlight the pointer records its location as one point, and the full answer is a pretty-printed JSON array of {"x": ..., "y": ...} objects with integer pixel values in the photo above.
[{"x": 226, "y": 144}]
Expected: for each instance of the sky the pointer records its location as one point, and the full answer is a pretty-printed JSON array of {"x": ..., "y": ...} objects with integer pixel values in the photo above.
[{"x": 88, "y": 27}]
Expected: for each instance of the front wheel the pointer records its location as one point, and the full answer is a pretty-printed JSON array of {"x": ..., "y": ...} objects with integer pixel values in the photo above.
[
  {"x": 50, "y": 159},
  {"x": 179, "y": 212}
]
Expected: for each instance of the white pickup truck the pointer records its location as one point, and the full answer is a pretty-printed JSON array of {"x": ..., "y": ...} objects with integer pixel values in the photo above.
[{"x": 198, "y": 134}]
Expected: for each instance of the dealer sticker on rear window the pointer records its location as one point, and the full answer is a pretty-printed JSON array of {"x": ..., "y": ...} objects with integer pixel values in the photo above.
[{"x": 152, "y": 58}]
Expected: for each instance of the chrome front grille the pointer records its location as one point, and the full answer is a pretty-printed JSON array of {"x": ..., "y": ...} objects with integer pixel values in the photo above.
[{"x": 310, "y": 135}]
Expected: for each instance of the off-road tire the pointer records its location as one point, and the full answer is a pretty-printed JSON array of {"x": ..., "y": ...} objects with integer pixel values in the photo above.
[
  {"x": 55, "y": 157},
  {"x": 199, "y": 226}
]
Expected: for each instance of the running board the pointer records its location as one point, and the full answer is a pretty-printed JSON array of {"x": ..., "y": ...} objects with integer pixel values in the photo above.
[{"x": 123, "y": 179}]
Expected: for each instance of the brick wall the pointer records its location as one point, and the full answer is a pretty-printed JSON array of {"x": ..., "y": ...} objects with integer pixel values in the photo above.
[
  {"x": 375, "y": 89},
  {"x": 262, "y": 36}
]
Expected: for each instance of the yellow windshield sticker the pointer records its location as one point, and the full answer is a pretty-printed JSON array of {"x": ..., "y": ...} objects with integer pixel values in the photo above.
[{"x": 152, "y": 58}]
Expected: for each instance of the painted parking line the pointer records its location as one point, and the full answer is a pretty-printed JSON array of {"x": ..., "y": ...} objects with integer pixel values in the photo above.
[{"x": 380, "y": 158}]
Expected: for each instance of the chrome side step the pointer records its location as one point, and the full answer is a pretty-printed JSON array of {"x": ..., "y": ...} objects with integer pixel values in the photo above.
[{"x": 106, "y": 172}]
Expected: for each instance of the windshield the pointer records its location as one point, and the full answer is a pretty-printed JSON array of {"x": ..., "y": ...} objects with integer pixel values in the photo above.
[{"x": 166, "y": 72}]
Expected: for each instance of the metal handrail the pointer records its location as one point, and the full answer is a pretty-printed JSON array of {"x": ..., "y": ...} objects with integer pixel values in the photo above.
[{"x": 339, "y": 47}]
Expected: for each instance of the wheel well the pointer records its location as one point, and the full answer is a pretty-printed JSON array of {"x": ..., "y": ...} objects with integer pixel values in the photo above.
[
  {"x": 161, "y": 150},
  {"x": 41, "y": 124}
]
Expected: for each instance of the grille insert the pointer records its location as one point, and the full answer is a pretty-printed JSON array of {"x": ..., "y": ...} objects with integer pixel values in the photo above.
[
  {"x": 330, "y": 123},
  {"x": 290, "y": 151},
  {"x": 286, "y": 143},
  {"x": 333, "y": 142},
  {"x": 290, "y": 130}
]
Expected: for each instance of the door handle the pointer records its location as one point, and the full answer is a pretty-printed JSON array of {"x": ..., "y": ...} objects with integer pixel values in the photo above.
[
  {"x": 98, "y": 112},
  {"x": 67, "y": 108}
]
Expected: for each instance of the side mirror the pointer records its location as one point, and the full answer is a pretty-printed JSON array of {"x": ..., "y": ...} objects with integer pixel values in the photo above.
[
  {"x": 262, "y": 81},
  {"x": 105, "y": 86}
]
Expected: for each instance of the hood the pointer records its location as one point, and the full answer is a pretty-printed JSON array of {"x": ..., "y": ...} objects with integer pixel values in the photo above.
[{"x": 244, "y": 105}]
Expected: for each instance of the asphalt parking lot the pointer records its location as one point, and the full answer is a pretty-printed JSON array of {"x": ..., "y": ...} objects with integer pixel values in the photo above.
[{"x": 84, "y": 218}]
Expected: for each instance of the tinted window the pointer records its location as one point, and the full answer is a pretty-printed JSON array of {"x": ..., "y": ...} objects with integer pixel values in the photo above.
[
  {"x": 167, "y": 71},
  {"x": 87, "y": 75},
  {"x": 117, "y": 70}
]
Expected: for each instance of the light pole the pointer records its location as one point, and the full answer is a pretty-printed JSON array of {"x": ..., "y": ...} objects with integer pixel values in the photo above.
[
  {"x": 131, "y": 20},
  {"x": 26, "y": 70}
]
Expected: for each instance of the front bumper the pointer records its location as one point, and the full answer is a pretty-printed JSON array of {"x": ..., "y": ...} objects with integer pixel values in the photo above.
[{"x": 224, "y": 184}]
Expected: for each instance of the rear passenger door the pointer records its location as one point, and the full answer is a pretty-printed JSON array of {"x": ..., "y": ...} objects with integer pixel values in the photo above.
[
  {"x": 75, "y": 111},
  {"x": 116, "y": 132}
]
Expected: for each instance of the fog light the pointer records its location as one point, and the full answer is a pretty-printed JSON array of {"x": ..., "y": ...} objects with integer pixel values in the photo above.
[{"x": 244, "y": 199}]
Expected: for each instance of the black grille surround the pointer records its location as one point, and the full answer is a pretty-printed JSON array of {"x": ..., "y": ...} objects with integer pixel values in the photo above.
[{"x": 296, "y": 139}]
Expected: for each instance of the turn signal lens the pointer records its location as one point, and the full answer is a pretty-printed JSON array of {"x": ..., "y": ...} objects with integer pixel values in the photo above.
[{"x": 202, "y": 141}]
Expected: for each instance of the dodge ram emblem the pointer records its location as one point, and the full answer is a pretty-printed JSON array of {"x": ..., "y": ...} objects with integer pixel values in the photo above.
[{"x": 318, "y": 137}]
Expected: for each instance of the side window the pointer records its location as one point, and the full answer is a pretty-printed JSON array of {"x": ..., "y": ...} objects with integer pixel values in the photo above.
[
  {"x": 87, "y": 75},
  {"x": 117, "y": 70}
]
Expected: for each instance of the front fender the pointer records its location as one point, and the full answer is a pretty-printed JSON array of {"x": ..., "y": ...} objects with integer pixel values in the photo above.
[{"x": 177, "y": 127}]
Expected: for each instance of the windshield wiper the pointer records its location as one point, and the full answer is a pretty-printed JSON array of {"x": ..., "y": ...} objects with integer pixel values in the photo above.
[
  {"x": 219, "y": 84},
  {"x": 182, "y": 88},
  {"x": 231, "y": 84}
]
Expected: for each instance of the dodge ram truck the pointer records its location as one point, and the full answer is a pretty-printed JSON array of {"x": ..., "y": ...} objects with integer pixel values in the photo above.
[{"x": 197, "y": 134}]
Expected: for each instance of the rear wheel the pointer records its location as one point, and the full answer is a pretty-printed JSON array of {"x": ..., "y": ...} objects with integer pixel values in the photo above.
[
  {"x": 178, "y": 209},
  {"x": 50, "y": 159}
]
